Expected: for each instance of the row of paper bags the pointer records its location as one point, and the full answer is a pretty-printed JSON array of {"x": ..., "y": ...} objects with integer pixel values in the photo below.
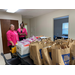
[{"x": 58, "y": 52}]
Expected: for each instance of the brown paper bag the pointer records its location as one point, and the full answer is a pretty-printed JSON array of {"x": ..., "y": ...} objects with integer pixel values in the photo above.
[
  {"x": 62, "y": 41},
  {"x": 36, "y": 54},
  {"x": 40, "y": 50},
  {"x": 49, "y": 51},
  {"x": 72, "y": 53},
  {"x": 65, "y": 43},
  {"x": 58, "y": 41},
  {"x": 46, "y": 57},
  {"x": 35, "y": 51},
  {"x": 31, "y": 53},
  {"x": 50, "y": 43},
  {"x": 70, "y": 40},
  {"x": 60, "y": 56},
  {"x": 49, "y": 40},
  {"x": 44, "y": 44},
  {"x": 44, "y": 40}
]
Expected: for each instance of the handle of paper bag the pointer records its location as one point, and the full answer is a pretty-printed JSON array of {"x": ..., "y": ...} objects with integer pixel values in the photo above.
[
  {"x": 58, "y": 43},
  {"x": 66, "y": 47}
]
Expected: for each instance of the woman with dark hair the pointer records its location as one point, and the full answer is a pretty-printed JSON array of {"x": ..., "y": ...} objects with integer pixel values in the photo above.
[{"x": 22, "y": 32}]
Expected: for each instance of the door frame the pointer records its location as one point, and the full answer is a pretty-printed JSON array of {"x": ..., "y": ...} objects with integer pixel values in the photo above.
[
  {"x": 1, "y": 33},
  {"x": 53, "y": 24},
  {"x": 27, "y": 29}
]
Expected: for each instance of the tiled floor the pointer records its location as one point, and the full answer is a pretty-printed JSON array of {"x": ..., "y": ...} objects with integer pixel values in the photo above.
[{"x": 2, "y": 62}]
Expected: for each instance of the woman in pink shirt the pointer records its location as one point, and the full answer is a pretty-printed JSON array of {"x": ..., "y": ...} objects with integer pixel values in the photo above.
[
  {"x": 22, "y": 32},
  {"x": 12, "y": 36}
]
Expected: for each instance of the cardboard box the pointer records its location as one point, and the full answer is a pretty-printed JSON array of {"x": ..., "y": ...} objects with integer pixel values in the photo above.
[{"x": 23, "y": 51}]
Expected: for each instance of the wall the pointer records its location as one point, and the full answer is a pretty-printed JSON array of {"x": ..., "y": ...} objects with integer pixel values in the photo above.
[
  {"x": 11, "y": 16},
  {"x": 28, "y": 23},
  {"x": 43, "y": 25},
  {"x": 58, "y": 26},
  {"x": 1, "y": 48}
]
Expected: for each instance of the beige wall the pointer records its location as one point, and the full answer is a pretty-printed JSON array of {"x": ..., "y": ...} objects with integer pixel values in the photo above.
[
  {"x": 8, "y": 16},
  {"x": 11, "y": 16},
  {"x": 43, "y": 25},
  {"x": 28, "y": 23},
  {"x": 1, "y": 48}
]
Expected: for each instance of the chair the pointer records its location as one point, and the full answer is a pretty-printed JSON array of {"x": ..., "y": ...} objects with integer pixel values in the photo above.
[{"x": 12, "y": 61}]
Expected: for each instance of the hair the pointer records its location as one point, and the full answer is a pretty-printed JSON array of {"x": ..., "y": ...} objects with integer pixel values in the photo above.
[
  {"x": 22, "y": 23},
  {"x": 10, "y": 26}
]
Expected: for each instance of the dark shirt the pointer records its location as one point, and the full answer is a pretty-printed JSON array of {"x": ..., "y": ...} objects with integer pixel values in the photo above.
[{"x": 21, "y": 31}]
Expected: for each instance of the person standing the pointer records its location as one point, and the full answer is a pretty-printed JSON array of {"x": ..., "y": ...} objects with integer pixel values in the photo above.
[
  {"x": 12, "y": 37},
  {"x": 22, "y": 32}
]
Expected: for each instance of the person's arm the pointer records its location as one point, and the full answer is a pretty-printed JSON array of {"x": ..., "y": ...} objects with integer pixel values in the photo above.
[
  {"x": 17, "y": 37},
  {"x": 11, "y": 43},
  {"x": 9, "y": 38},
  {"x": 19, "y": 33},
  {"x": 25, "y": 33}
]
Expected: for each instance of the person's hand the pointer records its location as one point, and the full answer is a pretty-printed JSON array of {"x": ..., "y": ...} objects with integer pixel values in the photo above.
[
  {"x": 12, "y": 44},
  {"x": 20, "y": 33},
  {"x": 25, "y": 34}
]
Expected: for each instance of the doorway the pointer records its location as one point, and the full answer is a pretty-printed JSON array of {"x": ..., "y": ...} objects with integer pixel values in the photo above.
[
  {"x": 26, "y": 26},
  {"x": 4, "y": 28},
  {"x": 61, "y": 26}
]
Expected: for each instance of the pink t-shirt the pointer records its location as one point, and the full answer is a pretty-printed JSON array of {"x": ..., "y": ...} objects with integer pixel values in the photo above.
[
  {"x": 12, "y": 36},
  {"x": 23, "y": 31}
]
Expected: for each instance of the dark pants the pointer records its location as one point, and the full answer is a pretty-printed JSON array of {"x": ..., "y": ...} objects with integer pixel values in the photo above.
[
  {"x": 20, "y": 39},
  {"x": 11, "y": 49}
]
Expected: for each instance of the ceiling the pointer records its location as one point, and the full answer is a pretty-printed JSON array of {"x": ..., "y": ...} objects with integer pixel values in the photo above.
[{"x": 31, "y": 13}]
